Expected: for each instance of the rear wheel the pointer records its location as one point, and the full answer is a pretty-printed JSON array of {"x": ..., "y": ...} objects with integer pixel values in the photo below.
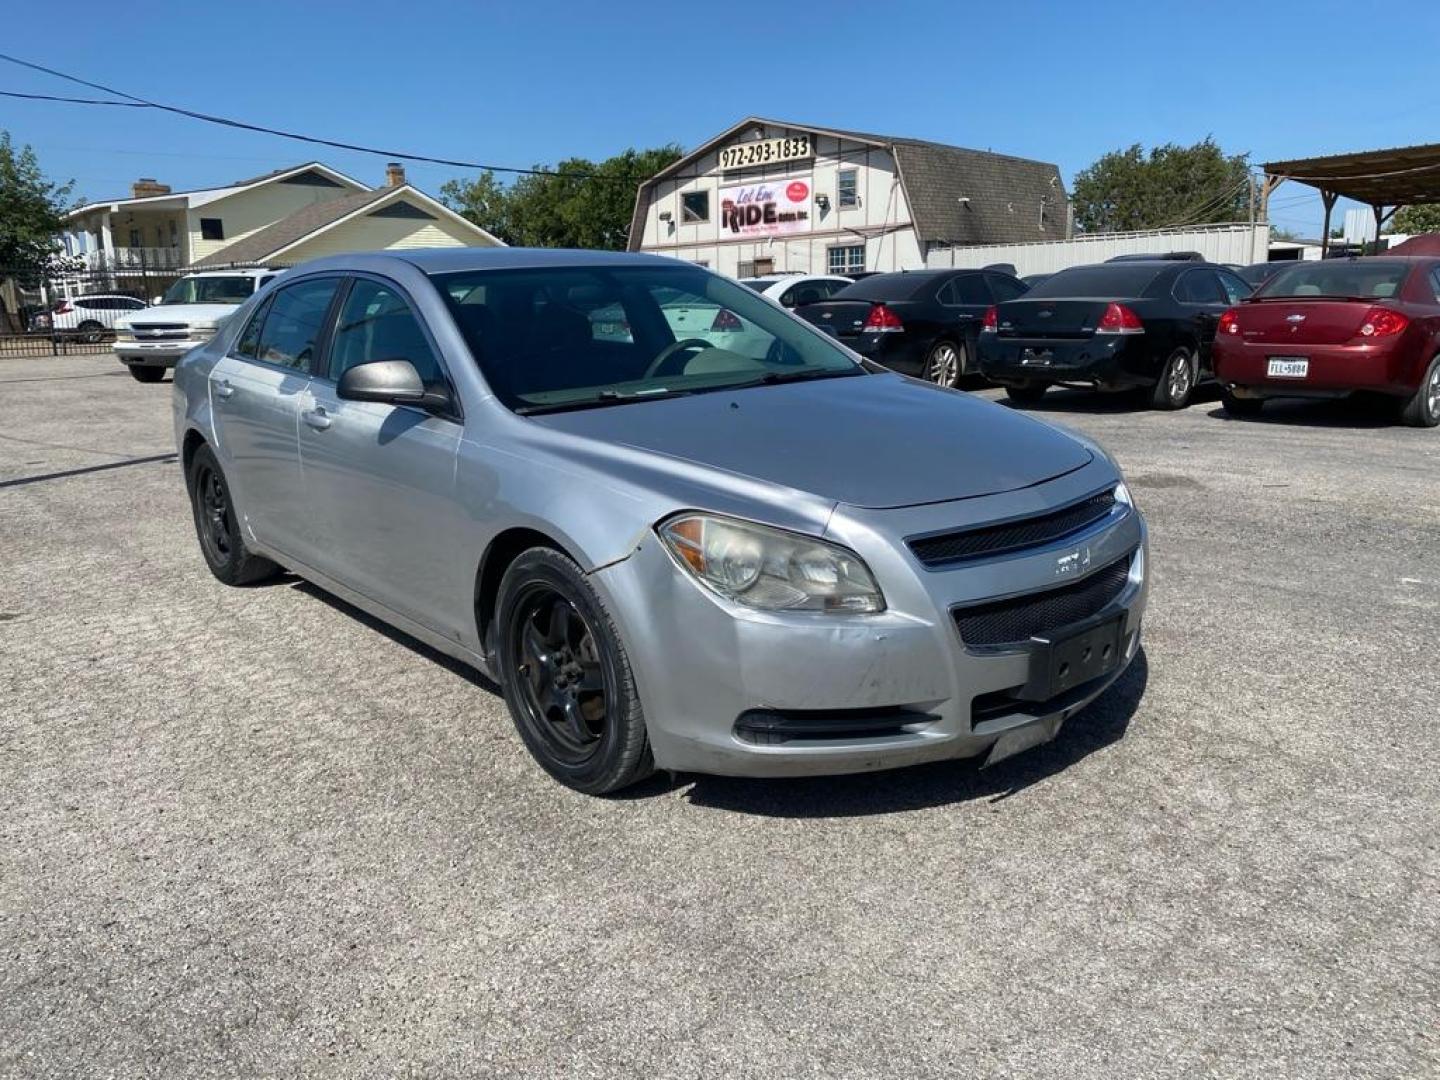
[
  {"x": 218, "y": 526},
  {"x": 1241, "y": 406},
  {"x": 566, "y": 678},
  {"x": 146, "y": 372},
  {"x": 1029, "y": 394},
  {"x": 945, "y": 364},
  {"x": 1177, "y": 381},
  {"x": 1423, "y": 408},
  {"x": 90, "y": 331}
]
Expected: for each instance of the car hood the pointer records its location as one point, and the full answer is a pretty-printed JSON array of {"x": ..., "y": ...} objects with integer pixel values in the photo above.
[
  {"x": 879, "y": 442},
  {"x": 190, "y": 314}
]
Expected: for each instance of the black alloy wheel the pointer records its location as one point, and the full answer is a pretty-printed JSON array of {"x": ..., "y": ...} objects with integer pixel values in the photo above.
[
  {"x": 218, "y": 527},
  {"x": 560, "y": 678}
]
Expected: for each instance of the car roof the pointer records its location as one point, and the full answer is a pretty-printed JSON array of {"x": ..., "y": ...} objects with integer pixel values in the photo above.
[{"x": 457, "y": 260}]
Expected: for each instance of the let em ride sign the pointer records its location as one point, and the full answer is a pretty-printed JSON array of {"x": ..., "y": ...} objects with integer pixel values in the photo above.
[{"x": 766, "y": 209}]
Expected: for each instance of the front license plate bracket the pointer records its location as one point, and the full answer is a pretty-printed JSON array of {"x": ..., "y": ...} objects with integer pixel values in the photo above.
[{"x": 1078, "y": 655}]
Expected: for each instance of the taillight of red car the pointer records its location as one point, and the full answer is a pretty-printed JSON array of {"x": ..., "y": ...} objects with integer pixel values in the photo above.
[
  {"x": 1119, "y": 319},
  {"x": 1229, "y": 322},
  {"x": 725, "y": 319},
  {"x": 63, "y": 308},
  {"x": 1382, "y": 322},
  {"x": 991, "y": 323},
  {"x": 882, "y": 320}
]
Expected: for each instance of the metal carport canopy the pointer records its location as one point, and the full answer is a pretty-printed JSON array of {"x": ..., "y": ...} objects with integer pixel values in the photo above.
[{"x": 1402, "y": 176}]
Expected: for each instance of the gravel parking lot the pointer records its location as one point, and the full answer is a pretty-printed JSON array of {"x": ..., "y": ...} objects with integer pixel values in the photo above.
[{"x": 253, "y": 832}]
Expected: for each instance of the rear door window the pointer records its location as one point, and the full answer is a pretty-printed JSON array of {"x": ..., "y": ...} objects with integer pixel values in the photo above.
[
  {"x": 295, "y": 323},
  {"x": 248, "y": 344},
  {"x": 967, "y": 290},
  {"x": 1199, "y": 287}
]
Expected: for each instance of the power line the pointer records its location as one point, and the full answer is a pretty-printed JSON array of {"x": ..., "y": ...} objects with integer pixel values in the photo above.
[{"x": 132, "y": 101}]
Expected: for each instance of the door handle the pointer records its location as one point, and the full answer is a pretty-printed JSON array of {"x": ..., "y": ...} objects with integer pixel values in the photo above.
[
  {"x": 223, "y": 389},
  {"x": 317, "y": 418}
]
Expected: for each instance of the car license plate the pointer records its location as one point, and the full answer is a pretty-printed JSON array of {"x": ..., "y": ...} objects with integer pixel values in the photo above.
[
  {"x": 1061, "y": 664},
  {"x": 1037, "y": 356},
  {"x": 1288, "y": 367}
]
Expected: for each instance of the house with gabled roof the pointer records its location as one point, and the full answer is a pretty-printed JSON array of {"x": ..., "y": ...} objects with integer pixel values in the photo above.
[
  {"x": 281, "y": 217},
  {"x": 769, "y": 196}
]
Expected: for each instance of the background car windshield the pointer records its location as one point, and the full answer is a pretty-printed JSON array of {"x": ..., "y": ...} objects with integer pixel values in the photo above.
[
  {"x": 1377, "y": 278},
  {"x": 1109, "y": 281},
  {"x": 885, "y": 287},
  {"x": 209, "y": 290},
  {"x": 568, "y": 335}
]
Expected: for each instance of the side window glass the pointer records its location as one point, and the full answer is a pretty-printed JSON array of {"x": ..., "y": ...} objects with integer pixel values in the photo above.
[
  {"x": 248, "y": 344},
  {"x": 1198, "y": 287},
  {"x": 376, "y": 323},
  {"x": 1435, "y": 283},
  {"x": 294, "y": 322},
  {"x": 1005, "y": 288},
  {"x": 1236, "y": 288},
  {"x": 946, "y": 295},
  {"x": 970, "y": 289}
]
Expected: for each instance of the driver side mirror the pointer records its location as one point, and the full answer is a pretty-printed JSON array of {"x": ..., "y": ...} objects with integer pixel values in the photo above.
[{"x": 393, "y": 382}]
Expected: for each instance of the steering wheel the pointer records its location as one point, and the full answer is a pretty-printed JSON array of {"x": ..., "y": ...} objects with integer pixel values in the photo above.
[{"x": 670, "y": 351}]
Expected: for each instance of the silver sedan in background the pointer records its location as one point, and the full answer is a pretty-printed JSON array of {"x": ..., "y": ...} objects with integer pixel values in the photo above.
[{"x": 747, "y": 553}]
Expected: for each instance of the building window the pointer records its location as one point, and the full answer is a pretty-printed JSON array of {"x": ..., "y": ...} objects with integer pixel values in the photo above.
[
  {"x": 746, "y": 269},
  {"x": 211, "y": 228},
  {"x": 847, "y": 260},
  {"x": 135, "y": 238},
  {"x": 848, "y": 191},
  {"x": 694, "y": 207}
]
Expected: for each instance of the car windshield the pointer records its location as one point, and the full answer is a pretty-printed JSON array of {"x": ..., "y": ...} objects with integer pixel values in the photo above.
[
  {"x": 1361, "y": 278},
  {"x": 578, "y": 337},
  {"x": 885, "y": 287},
  {"x": 1107, "y": 281},
  {"x": 209, "y": 290}
]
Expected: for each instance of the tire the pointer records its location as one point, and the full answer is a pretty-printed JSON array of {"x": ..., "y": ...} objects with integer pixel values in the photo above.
[
  {"x": 90, "y": 331},
  {"x": 1177, "y": 381},
  {"x": 1422, "y": 409},
  {"x": 566, "y": 678},
  {"x": 1241, "y": 406},
  {"x": 146, "y": 373},
  {"x": 1029, "y": 394},
  {"x": 217, "y": 528},
  {"x": 946, "y": 363}
]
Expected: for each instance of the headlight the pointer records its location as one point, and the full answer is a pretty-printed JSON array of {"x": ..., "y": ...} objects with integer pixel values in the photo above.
[
  {"x": 124, "y": 335},
  {"x": 202, "y": 333},
  {"x": 1122, "y": 495},
  {"x": 770, "y": 569}
]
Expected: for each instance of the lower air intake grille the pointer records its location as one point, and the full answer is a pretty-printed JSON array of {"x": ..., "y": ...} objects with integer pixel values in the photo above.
[
  {"x": 953, "y": 547},
  {"x": 1008, "y": 622}
]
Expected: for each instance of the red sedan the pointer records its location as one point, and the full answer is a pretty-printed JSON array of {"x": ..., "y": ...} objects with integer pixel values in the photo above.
[{"x": 1326, "y": 329}]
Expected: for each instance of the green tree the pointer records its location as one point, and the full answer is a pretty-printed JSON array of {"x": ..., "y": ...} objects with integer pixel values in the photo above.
[
  {"x": 1171, "y": 185},
  {"x": 30, "y": 210},
  {"x": 577, "y": 203},
  {"x": 1416, "y": 219}
]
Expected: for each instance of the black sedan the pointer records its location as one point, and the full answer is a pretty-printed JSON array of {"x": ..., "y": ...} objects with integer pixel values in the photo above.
[
  {"x": 1116, "y": 326},
  {"x": 919, "y": 322}
]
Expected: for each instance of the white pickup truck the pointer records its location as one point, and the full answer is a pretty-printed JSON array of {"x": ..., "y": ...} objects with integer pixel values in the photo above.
[{"x": 149, "y": 341}]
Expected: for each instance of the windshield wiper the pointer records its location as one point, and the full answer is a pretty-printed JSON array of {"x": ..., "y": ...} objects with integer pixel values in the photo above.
[
  {"x": 600, "y": 401},
  {"x": 771, "y": 378}
]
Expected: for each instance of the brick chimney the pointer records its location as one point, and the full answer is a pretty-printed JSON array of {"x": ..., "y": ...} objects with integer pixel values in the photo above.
[
  {"x": 147, "y": 186},
  {"x": 394, "y": 174}
]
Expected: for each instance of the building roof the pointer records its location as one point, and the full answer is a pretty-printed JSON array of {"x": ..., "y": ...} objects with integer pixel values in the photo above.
[
  {"x": 202, "y": 196},
  {"x": 318, "y": 217},
  {"x": 1399, "y": 176},
  {"x": 1005, "y": 194}
]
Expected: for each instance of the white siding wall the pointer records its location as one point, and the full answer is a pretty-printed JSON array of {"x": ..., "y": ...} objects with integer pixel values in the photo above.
[
  {"x": 379, "y": 234},
  {"x": 251, "y": 210},
  {"x": 1241, "y": 244},
  {"x": 881, "y": 222}
]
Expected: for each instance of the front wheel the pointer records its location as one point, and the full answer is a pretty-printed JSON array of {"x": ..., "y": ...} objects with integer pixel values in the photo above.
[
  {"x": 945, "y": 364},
  {"x": 1422, "y": 409},
  {"x": 566, "y": 678},
  {"x": 148, "y": 373},
  {"x": 1177, "y": 381}
]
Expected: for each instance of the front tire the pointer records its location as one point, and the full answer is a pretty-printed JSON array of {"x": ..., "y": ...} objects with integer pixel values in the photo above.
[
  {"x": 146, "y": 373},
  {"x": 1422, "y": 409},
  {"x": 1177, "y": 381},
  {"x": 218, "y": 527},
  {"x": 566, "y": 677},
  {"x": 945, "y": 363}
]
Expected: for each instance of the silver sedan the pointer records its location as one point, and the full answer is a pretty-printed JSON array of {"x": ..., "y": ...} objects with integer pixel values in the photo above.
[{"x": 743, "y": 551}]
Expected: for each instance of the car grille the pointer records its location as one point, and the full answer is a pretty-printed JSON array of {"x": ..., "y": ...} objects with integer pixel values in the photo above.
[
  {"x": 945, "y": 549},
  {"x": 1011, "y": 622},
  {"x": 160, "y": 331}
]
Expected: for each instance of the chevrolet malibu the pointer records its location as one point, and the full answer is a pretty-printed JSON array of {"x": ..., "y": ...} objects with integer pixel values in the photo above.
[{"x": 766, "y": 558}]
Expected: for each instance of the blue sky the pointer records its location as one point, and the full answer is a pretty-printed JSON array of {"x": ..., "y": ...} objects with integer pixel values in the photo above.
[{"x": 517, "y": 84}]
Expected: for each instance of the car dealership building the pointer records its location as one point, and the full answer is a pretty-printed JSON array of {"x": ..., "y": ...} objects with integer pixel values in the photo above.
[{"x": 766, "y": 196}]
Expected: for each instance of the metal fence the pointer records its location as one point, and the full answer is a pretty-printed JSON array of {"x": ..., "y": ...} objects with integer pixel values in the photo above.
[{"x": 61, "y": 343}]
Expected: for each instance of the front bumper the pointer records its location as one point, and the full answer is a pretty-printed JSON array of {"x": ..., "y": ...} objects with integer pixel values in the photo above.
[
  {"x": 720, "y": 683},
  {"x": 154, "y": 354}
]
